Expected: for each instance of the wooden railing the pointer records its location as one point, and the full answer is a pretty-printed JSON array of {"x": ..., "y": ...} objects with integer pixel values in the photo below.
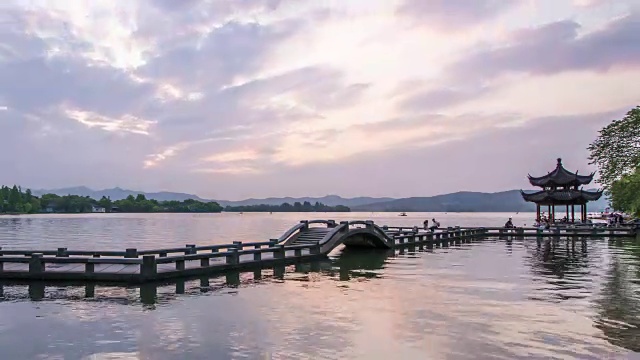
[{"x": 148, "y": 260}]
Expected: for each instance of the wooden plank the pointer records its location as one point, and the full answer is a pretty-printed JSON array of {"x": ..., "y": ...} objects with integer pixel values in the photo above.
[
  {"x": 16, "y": 267},
  {"x": 191, "y": 264},
  {"x": 130, "y": 269},
  {"x": 115, "y": 268},
  {"x": 65, "y": 268},
  {"x": 166, "y": 267},
  {"x": 102, "y": 267}
]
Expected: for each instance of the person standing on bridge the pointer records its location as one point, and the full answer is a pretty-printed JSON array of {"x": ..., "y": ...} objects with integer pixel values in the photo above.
[
  {"x": 435, "y": 225},
  {"x": 426, "y": 224}
]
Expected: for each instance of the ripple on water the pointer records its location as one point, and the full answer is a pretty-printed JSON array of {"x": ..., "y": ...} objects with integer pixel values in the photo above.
[{"x": 490, "y": 299}]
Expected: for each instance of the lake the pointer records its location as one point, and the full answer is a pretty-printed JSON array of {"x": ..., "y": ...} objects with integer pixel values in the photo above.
[{"x": 493, "y": 299}]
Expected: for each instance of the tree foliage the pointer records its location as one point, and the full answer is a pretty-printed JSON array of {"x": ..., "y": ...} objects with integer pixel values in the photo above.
[
  {"x": 616, "y": 151},
  {"x": 286, "y": 207},
  {"x": 14, "y": 200},
  {"x": 625, "y": 193}
]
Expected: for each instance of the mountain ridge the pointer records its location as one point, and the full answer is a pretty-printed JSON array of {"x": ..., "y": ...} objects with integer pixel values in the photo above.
[{"x": 461, "y": 201}]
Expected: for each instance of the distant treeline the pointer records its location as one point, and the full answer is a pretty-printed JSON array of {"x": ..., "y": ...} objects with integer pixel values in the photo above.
[
  {"x": 14, "y": 200},
  {"x": 286, "y": 207}
]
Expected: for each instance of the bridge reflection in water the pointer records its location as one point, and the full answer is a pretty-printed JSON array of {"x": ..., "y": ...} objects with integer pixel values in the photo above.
[{"x": 348, "y": 264}]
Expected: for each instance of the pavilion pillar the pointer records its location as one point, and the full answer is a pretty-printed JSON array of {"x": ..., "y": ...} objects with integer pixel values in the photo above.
[
  {"x": 549, "y": 212},
  {"x": 538, "y": 212},
  {"x": 567, "y": 212},
  {"x": 573, "y": 213}
]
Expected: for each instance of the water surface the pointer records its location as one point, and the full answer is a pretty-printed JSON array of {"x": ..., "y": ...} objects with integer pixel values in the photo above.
[{"x": 492, "y": 299}]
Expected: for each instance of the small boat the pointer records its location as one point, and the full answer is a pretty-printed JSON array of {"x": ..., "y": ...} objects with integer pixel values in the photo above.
[{"x": 403, "y": 214}]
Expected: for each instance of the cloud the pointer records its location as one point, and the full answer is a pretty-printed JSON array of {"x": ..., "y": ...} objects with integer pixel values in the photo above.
[
  {"x": 547, "y": 50},
  {"x": 453, "y": 15},
  {"x": 212, "y": 94},
  {"x": 557, "y": 47}
]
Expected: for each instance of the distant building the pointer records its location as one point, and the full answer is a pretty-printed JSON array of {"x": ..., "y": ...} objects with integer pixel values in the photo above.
[
  {"x": 49, "y": 209},
  {"x": 97, "y": 209}
]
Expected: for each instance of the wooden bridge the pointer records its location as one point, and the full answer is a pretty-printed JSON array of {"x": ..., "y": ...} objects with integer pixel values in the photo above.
[{"x": 306, "y": 241}]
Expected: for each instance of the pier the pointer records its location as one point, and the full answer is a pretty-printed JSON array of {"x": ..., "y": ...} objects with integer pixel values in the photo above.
[{"x": 305, "y": 242}]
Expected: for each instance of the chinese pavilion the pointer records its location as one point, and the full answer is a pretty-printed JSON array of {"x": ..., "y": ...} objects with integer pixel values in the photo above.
[{"x": 560, "y": 188}]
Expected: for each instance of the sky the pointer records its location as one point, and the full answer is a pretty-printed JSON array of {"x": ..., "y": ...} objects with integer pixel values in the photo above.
[{"x": 255, "y": 98}]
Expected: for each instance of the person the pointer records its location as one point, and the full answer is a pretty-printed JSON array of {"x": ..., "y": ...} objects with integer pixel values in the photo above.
[
  {"x": 426, "y": 224},
  {"x": 435, "y": 225},
  {"x": 509, "y": 224}
]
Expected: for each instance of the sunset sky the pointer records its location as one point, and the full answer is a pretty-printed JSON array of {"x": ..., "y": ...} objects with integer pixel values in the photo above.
[{"x": 255, "y": 98}]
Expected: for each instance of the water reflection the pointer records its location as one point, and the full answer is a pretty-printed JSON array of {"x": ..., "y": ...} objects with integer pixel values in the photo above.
[
  {"x": 618, "y": 303},
  {"x": 489, "y": 299},
  {"x": 561, "y": 263},
  {"x": 348, "y": 265}
]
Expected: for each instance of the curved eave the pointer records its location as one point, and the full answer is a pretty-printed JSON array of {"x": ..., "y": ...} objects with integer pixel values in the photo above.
[
  {"x": 561, "y": 196},
  {"x": 560, "y": 177}
]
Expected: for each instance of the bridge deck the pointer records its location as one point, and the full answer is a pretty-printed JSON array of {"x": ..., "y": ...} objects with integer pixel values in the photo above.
[{"x": 301, "y": 244}]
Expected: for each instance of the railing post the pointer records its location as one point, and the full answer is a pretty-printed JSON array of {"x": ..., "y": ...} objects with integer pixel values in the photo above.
[
  {"x": 62, "y": 252},
  {"x": 232, "y": 256},
  {"x": 306, "y": 224},
  {"x": 179, "y": 265},
  {"x": 148, "y": 268},
  {"x": 257, "y": 256},
  {"x": 385, "y": 227},
  {"x": 191, "y": 249},
  {"x": 297, "y": 252},
  {"x": 315, "y": 250},
  {"x": 280, "y": 252},
  {"x": 36, "y": 264},
  {"x": 238, "y": 245},
  {"x": 131, "y": 253},
  {"x": 204, "y": 262},
  {"x": 331, "y": 223},
  {"x": 89, "y": 267}
]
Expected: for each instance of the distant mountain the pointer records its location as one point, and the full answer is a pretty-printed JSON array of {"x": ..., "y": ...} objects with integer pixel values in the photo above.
[
  {"x": 466, "y": 201},
  {"x": 329, "y": 200},
  {"x": 118, "y": 194}
]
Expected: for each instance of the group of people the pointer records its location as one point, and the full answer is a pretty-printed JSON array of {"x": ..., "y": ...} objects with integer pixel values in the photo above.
[
  {"x": 433, "y": 227},
  {"x": 615, "y": 219}
]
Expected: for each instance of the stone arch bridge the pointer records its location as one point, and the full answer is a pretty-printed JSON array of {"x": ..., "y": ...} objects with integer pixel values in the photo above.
[{"x": 328, "y": 234}]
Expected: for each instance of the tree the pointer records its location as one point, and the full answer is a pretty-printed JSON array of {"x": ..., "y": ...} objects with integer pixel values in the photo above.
[
  {"x": 616, "y": 151},
  {"x": 106, "y": 203},
  {"x": 625, "y": 193}
]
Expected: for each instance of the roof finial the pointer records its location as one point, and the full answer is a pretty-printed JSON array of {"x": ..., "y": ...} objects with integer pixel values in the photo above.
[{"x": 559, "y": 161}]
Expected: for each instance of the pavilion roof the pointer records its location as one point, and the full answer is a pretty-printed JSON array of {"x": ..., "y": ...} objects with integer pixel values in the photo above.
[
  {"x": 561, "y": 197},
  {"x": 560, "y": 177}
]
